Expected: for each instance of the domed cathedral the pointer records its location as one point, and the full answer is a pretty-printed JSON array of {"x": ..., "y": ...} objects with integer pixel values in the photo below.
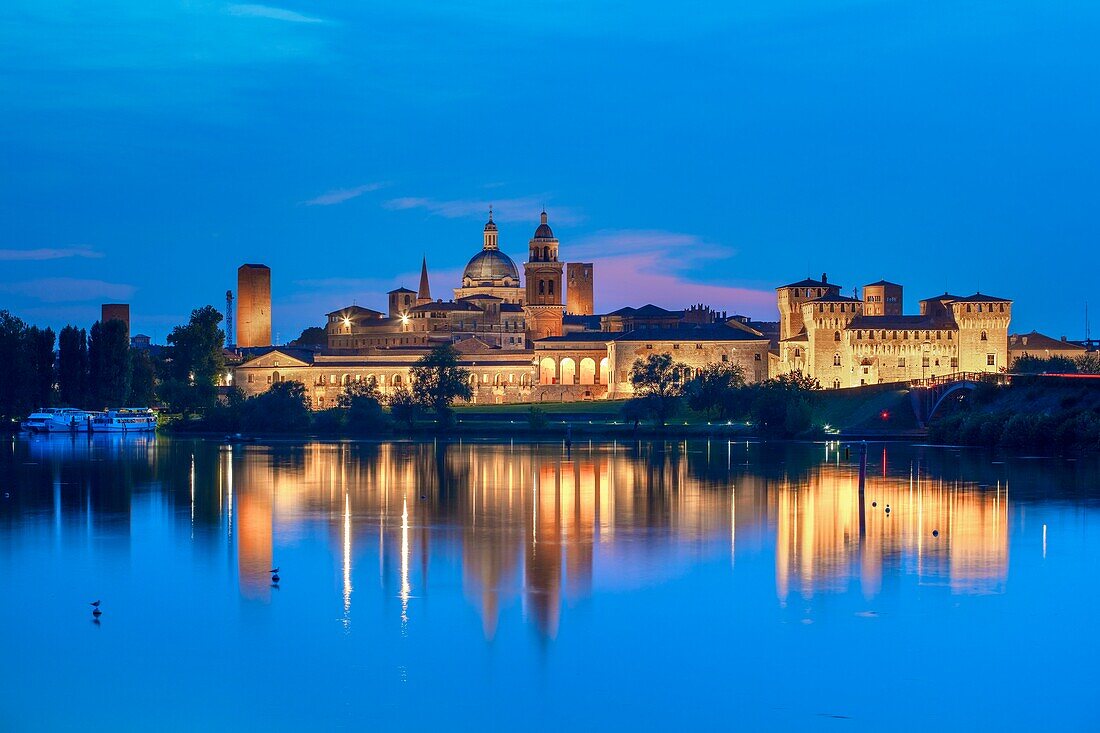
[
  {"x": 545, "y": 302},
  {"x": 490, "y": 271}
]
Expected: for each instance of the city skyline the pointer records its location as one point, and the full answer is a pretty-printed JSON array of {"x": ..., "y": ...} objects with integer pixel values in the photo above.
[{"x": 339, "y": 146}]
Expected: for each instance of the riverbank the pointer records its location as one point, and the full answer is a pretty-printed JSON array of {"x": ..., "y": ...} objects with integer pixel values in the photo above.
[{"x": 1032, "y": 413}]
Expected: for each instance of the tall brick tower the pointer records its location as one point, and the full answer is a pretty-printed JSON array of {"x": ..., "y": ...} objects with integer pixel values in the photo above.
[
  {"x": 578, "y": 296},
  {"x": 253, "y": 305},
  {"x": 544, "y": 307},
  {"x": 116, "y": 312}
]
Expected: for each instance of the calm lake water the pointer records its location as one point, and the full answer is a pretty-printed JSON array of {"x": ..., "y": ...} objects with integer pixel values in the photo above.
[{"x": 497, "y": 586}]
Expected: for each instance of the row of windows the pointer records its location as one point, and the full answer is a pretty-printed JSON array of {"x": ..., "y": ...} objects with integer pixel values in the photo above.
[
  {"x": 905, "y": 335},
  {"x": 844, "y": 307}
]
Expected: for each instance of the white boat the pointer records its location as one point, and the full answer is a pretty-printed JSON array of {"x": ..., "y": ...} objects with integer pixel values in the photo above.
[
  {"x": 57, "y": 420},
  {"x": 125, "y": 420}
]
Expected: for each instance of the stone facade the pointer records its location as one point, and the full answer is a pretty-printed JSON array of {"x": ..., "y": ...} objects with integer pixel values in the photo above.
[{"x": 841, "y": 345}]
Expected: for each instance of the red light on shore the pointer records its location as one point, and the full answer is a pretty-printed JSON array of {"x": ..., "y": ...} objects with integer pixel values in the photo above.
[{"x": 885, "y": 414}]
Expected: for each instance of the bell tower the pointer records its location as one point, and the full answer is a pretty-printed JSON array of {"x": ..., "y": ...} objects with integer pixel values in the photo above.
[{"x": 545, "y": 299}]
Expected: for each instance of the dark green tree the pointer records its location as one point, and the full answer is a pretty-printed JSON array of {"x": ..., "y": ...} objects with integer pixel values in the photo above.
[
  {"x": 108, "y": 365},
  {"x": 284, "y": 407},
  {"x": 13, "y": 370},
  {"x": 403, "y": 406},
  {"x": 312, "y": 336},
  {"x": 784, "y": 406},
  {"x": 363, "y": 403},
  {"x": 716, "y": 390},
  {"x": 40, "y": 345},
  {"x": 1088, "y": 363},
  {"x": 143, "y": 379},
  {"x": 438, "y": 381},
  {"x": 195, "y": 362},
  {"x": 658, "y": 381},
  {"x": 1028, "y": 364},
  {"x": 72, "y": 375}
]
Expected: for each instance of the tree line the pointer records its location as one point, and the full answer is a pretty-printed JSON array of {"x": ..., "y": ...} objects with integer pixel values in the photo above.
[
  {"x": 782, "y": 406},
  {"x": 95, "y": 369}
]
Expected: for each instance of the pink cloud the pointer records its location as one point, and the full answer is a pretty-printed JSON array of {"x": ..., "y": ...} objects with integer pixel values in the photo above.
[
  {"x": 638, "y": 266},
  {"x": 637, "y": 279}
]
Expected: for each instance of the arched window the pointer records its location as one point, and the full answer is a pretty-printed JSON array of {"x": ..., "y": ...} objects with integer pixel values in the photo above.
[
  {"x": 836, "y": 384},
  {"x": 836, "y": 336},
  {"x": 542, "y": 287},
  {"x": 546, "y": 253},
  {"x": 985, "y": 336},
  {"x": 797, "y": 351},
  {"x": 550, "y": 287},
  {"x": 836, "y": 359}
]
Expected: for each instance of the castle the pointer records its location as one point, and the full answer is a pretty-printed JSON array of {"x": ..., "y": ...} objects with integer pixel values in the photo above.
[
  {"x": 531, "y": 339},
  {"x": 848, "y": 342}
]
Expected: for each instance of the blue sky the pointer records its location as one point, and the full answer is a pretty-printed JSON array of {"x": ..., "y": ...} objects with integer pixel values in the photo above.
[{"x": 696, "y": 152}]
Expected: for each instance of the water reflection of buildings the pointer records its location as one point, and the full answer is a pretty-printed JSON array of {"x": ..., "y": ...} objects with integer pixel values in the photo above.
[
  {"x": 535, "y": 529},
  {"x": 819, "y": 547}
]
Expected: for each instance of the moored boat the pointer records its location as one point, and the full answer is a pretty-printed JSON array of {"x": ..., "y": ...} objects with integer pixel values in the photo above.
[
  {"x": 125, "y": 420},
  {"x": 57, "y": 420}
]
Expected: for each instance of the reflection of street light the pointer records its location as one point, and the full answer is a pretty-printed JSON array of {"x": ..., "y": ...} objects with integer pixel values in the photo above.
[{"x": 926, "y": 347}]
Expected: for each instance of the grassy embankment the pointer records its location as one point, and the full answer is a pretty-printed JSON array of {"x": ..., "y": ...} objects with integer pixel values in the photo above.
[
  {"x": 883, "y": 410},
  {"x": 1032, "y": 413}
]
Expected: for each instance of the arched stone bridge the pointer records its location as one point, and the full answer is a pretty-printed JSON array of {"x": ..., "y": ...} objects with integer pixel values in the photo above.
[{"x": 928, "y": 394}]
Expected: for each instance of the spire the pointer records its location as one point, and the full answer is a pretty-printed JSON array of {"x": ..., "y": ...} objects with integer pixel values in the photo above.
[
  {"x": 542, "y": 216},
  {"x": 424, "y": 294}
]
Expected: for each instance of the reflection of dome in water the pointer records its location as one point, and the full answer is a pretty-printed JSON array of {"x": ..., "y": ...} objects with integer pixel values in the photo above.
[{"x": 491, "y": 265}]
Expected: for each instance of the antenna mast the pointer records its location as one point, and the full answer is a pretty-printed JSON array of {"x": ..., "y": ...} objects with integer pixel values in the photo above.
[{"x": 230, "y": 336}]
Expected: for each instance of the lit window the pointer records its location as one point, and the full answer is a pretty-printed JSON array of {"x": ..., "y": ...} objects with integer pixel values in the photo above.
[{"x": 991, "y": 360}]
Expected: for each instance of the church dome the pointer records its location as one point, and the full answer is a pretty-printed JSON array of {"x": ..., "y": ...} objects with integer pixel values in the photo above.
[{"x": 491, "y": 265}]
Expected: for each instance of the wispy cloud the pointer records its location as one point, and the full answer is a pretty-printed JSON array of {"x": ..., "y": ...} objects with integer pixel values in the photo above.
[
  {"x": 267, "y": 11},
  {"x": 68, "y": 289},
  {"x": 525, "y": 208},
  {"x": 48, "y": 253},
  {"x": 340, "y": 195},
  {"x": 633, "y": 267}
]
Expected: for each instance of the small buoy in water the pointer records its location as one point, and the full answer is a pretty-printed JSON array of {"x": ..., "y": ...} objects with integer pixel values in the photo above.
[
  {"x": 97, "y": 613},
  {"x": 874, "y": 503},
  {"x": 422, "y": 497},
  {"x": 935, "y": 533},
  {"x": 275, "y": 578}
]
